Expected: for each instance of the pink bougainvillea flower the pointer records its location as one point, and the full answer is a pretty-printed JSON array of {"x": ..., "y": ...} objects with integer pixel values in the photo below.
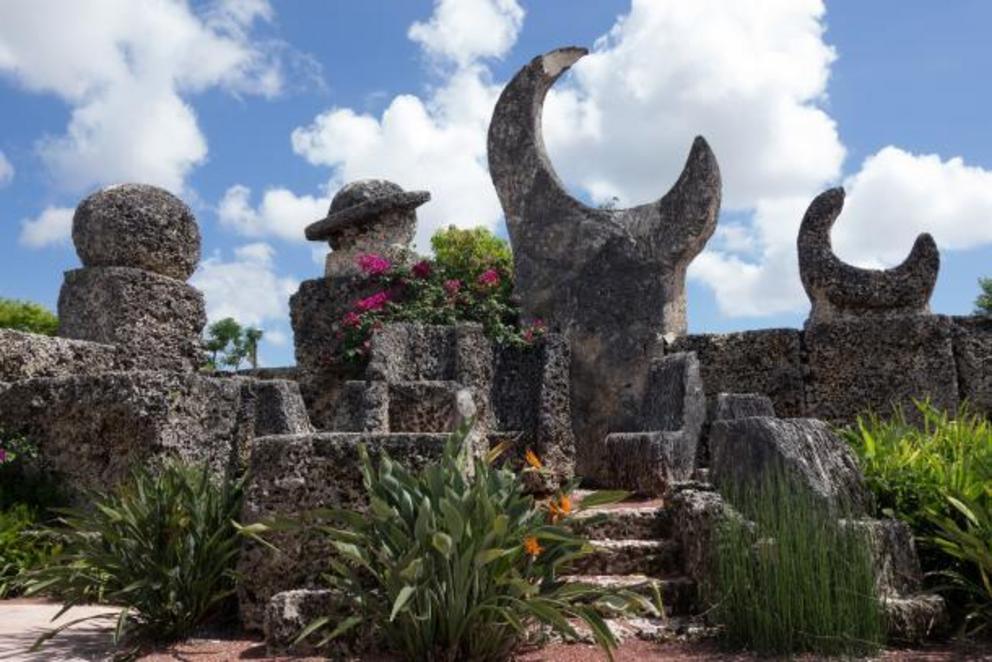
[
  {"x": 3, "y": 456},
  {"x": 351, "y": 319},
  {"x": 422, "y": 269},
  {"x": 374, "y": 302},
  {"x": 452, "y": 286},
  {"x": 489, "y": 278},
  {"x": 373, "y": 264}
]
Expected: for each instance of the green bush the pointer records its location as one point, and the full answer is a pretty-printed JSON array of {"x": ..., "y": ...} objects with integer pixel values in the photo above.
[
  {"x": 466, "y": 254},
  {"x": 162, "y": 546},
  {"x": 938, "y": 478},
  {"x": 21, "y": 548},
  {"x": 449, "y": 567},
  {"x": 27, "y": 316},
  {"x": 798, "y": 582}
]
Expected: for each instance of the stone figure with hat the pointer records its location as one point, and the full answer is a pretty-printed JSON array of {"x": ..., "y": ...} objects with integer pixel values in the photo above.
[{"x": 368, "y": 216}]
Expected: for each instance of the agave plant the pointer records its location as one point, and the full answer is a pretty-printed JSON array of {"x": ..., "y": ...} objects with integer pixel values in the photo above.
[
  {"x": 449, "y": 564},
  {"x": 161, "y": 546}
]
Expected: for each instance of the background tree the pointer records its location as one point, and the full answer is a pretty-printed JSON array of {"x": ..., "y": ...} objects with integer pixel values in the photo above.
[
  {"x": 224, "y": 343},
  {"x": 27, "y": 316},
  {"x": 252, "y": 336},
  {"x": 983, "y": 304}
]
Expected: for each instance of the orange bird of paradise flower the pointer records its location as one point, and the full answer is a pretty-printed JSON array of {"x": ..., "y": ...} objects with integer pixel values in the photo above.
[
  {"x": 532, "y": 546},
  {"x": 532, "y": 459},
  {"x": 561, "y": 509}
]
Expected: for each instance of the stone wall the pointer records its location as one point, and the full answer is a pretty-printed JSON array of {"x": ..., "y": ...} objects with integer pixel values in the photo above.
[
  {"x": 25, "y": 355},
  {"x": 835, "y": 370}
]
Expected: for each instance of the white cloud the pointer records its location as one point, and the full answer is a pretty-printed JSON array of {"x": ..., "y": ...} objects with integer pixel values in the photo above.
[
  {"x": 125, "y": 68},
  {"x": 6, "y": 170},
  {"x": 437, "y": 143},
  {"x": 247, "y": 287},
  {"x": 52, "y": 226},
  {"x": 280, "y": 214},
  {"x": 463, "y": 31}
]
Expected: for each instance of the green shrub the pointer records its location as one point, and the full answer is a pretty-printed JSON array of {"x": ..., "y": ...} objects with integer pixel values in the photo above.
[
  {"x": 21, "y": 548},
  {"x": 466, "y": 254},
  {"x": 162, "y": 546},
  {"x": 938, "y": 478},
  {"x": 449, "y": 567},
  {"x": 27, "y": 316},
  {"x": 24, "y": 480},
  {"x": 798, "y": 582}
]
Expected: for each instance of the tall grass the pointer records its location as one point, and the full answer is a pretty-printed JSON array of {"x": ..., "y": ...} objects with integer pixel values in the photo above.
[{"x": 798, "y": 581}]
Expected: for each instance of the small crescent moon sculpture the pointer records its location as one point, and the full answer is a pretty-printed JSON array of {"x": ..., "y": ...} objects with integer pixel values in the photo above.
[{"x": 840, "y": 290}]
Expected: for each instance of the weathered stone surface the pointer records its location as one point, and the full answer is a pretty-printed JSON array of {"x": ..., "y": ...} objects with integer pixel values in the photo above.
[
  {"x": 289, "y": 612},
  {"x": 530, "y": 399},
  {"x": 973, "y": 354},
  {"x": 25, "y": 355},
  {"x": 674, "y": 398},
  {"x": 368, "y": 216},
  {"x": 879, "y": 364},
  {"x": 424, "y": 406},
  {"x": 696, "y": 515},
  {"x": 612, "y": 281},
  {"x": 649, "y": 462},
  {"x": 155, "y": 320},
  {"x": 94, "y": 429},
  {"x": 768, "y": 361},
  {"x": 897, "y": 567},
  {"x": 655, "y": 558},
  {"x": 278, "y": 407},
  {"x": 915, "y": 619},
  {"x": 626, "y": 521},
  {"x": 362, "y": 407},
  {"x": 728, "y": 406},
  {"x": 805, "y": 451},
  {"x": 138, "y": 226},
  {"x": 290, "y": 474},
  {"x": 839, "y": 290}
]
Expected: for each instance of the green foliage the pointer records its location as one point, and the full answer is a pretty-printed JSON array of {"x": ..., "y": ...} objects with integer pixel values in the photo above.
[
  {"x": 799, "y": 582},
  {"x": 983, "y": 304},
  {"x": 449, "y": 566},
  {"x": 21, "y": 547},
  {"x": 27, "y": 316},
  {"x": 466, "y": 254},
  {"x": 23, "y": 478},
  {"x": 229, "y": 344},
  {"x": 162, "y": 546},
  {"x": 471, "y": 280},
  {"x": 938, "y": 478}
]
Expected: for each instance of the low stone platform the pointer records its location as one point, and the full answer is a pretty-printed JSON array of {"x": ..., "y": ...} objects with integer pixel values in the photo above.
[{"x": 26, "y": 355}]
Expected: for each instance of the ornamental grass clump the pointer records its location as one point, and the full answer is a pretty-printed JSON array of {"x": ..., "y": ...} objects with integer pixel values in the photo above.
[
  {"x": 797, "y": 582},
  {"x": 161, "y": 546},
  {"x": 455, "y": 562}
]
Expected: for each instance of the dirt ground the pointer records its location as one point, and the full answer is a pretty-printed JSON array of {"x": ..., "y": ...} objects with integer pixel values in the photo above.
[{"x": 21, "y": 621}]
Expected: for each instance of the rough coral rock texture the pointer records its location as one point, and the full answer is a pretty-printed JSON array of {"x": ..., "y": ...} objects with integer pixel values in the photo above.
[
  {"x": 531, "y": 401},
  {"x": 289, "y": 612},
  {"x": 805, "y": 451},
  {"x": 893, "y": 550},
  {"x": 728, "y": 406},
  {"x": 915, "y": 619},
  {"x": 154, "y": 319},
  {"x": 94, "y": 429},
  {"x": 767, "y": 361},
  {"x": 674, "y": 398},
  {"x": 611, "y": 280},
  {"x": 696, "y": 516},
  {"x": 839, "y": 290},
  {"x": 138, "y": 226},
  {"x": 291, "y": 474},
  {"x": 362, "y": 407},
  {"x": 25, "y": 355},
  {"x": 973, "y": 354},
  {"x": 879, "y": 364}
]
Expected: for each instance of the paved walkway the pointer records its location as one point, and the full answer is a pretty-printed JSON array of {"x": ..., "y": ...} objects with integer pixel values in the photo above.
[{"x": 24, "y": 620}]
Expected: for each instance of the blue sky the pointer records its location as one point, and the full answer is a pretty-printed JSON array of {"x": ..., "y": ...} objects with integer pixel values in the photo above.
[{"x": 255, "y": 113}]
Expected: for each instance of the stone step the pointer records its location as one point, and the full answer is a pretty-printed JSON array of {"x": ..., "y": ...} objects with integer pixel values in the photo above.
[
  {"x": 678, "y": 594},
  {"x": 656, "y": 558},
  {"x": 629, "y": 520}
]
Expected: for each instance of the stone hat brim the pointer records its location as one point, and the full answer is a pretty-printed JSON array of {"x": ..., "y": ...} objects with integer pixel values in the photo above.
[{"x": 323, "y": 229}]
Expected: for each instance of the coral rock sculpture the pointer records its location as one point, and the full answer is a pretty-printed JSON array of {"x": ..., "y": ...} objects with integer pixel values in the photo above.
[
  {"x": 840, "y": 290},
  {"x": 612, "y": 280}
]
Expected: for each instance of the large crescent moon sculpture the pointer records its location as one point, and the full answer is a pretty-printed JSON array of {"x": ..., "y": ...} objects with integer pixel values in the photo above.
[
  {"x": 611, "y": 280},
  {"x": 839, "y": 290}
]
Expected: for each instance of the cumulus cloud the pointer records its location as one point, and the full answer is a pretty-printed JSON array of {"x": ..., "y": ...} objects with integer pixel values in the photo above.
[
  {"x": 125, "y": 68},
  {"x": 6, "y": 170},
  {"x": 246, "y": 287},
  {"x": 280, "y": 213},
  {"x": 437, "y": 143},
  {"x": 52, "y": 226}
]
